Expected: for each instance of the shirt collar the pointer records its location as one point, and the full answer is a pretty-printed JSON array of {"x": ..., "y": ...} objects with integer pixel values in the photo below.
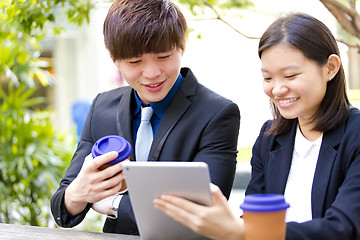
[
  {"x": 302, "y": 145},
  {"x": 160, "y": 107}
]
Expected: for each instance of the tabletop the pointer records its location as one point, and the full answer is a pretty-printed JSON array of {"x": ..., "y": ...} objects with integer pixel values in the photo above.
[{"x": 14, "y": 231}]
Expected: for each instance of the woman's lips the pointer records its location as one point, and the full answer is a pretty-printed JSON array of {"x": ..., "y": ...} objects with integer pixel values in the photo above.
[{"x": 286, "y": 102}]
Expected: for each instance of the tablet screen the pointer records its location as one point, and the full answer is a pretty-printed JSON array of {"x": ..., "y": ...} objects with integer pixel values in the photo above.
[{"x": 147, "y": 180}]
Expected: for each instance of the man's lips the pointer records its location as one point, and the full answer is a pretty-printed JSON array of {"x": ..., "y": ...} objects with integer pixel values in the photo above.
[{"x": 154, "y": 87}]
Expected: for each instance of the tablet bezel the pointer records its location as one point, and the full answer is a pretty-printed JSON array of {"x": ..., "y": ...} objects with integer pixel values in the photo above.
[{"x": 147, "y": 180}]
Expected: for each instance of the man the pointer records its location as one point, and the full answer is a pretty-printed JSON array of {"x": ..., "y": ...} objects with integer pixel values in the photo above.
[{"x": 146, "y": 40}]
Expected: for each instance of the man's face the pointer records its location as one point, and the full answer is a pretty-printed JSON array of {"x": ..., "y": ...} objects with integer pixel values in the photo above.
[{"x": 152, "y": 75}]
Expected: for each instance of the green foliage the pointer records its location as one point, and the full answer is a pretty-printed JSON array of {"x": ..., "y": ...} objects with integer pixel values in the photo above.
[
  {"x": 33, "y": 155},
  {"x": 194, "y": 5},
  {"x": 23, "y": 24},
  {"x": 219, "y": 8}
]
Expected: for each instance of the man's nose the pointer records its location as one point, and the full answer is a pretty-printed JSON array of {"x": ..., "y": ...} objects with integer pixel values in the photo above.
[{"x": 151, "y": 70}]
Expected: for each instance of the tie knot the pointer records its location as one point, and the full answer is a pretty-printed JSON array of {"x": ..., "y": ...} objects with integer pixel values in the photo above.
[{"x": 146, "y": 113}]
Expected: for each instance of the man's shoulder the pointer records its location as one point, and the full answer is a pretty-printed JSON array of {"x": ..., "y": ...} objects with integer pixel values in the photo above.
[
  {"x": 115, "y": 93},
  {"x": 113, "y": 96},
  {"x": 199, "y": 91},
  {"x": 205, "y": 94}
]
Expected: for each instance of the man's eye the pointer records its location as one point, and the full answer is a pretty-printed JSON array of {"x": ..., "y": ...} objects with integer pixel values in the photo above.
[
  {"x": 164, "y": 57},
  {"x": 134, "y": 62}
]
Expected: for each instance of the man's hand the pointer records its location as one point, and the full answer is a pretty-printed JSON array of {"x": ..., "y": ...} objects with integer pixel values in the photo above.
[{"x": 92, "y": 185}]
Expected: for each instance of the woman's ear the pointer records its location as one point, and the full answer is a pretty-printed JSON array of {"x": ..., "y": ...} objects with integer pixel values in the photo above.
[{"x": 333, "y": 65}]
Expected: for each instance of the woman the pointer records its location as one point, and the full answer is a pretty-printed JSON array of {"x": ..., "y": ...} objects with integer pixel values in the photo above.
[{"x": 310, "y": 151}]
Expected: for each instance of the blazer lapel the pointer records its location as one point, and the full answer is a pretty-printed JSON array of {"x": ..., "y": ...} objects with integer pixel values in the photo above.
[
  {"x": 124, "y": 118},
  {"x": 324, "y": 167},
  {"x": 279, "y": 163},
  {"x": 175, "y": 110}
]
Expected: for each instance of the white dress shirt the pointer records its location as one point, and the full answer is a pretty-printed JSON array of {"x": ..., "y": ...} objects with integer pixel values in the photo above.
[{"x": 299, "y": 184}]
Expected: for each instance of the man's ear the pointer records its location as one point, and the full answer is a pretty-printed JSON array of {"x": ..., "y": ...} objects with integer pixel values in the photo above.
[
  {"x": 116, "y": 62},
  {"x": 333, "y": 65}
]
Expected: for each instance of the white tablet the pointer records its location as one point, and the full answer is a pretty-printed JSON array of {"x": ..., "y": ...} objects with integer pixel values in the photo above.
[{"x": 147, "y": 180}]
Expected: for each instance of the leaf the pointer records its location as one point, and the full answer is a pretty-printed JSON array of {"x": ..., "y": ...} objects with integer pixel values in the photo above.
[
  {"x": 42, "y": 77},
  {"x": 11, "y": 75},
  {"x": 30, "y": 168},
  {"x": 34, "y": 101},
  {"x": 29, "y": 163}
]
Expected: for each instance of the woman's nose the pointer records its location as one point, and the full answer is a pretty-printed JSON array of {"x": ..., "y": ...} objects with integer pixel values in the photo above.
[{"x": 279, "y": 89}]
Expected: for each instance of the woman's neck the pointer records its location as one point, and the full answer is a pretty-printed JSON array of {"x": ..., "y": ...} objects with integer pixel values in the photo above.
[{"x": 308, "y": 133}]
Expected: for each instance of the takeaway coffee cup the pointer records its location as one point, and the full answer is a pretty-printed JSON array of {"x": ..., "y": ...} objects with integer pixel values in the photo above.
[
  {"x": 264, "y": 216},
  {"x": 112, "y": 143}
]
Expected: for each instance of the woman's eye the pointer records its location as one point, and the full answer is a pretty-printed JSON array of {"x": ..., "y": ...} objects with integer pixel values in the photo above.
[
  {"x": 290, "y": 76},
  {"x": 267, "y": 79}
]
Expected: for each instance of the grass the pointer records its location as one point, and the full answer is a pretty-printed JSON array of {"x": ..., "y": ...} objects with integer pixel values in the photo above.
[
  {"x": 354, "y": 97},
  {"x": 244, "y": 154}
]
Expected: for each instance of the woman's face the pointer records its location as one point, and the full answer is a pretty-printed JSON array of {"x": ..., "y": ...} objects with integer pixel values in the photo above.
[{"x": 295, "y": 84}]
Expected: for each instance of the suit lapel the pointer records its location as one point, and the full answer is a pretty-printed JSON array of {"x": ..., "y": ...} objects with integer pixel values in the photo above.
[
  {"x": 279, "y": 163},
  {"x": 124, "y": 118},
  {"x": 324, "y": 167},
  {"x": 175, "y": 110}
]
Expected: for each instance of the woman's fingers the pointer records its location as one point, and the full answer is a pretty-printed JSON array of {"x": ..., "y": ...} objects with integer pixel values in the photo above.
[
  {"x": 179, "y": 209},
  {"x": 216, "y": 221},
  {"x": 218, "y": 196}
]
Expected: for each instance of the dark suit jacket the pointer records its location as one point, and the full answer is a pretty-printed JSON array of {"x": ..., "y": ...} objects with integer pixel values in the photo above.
[
  {"x": 199, "y": 125},
  {"x": 335, "y": 197}
]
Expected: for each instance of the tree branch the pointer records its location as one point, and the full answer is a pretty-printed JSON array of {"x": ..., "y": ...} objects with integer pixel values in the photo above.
[
  {"x": 347, "y": 17},
  {"x": 349, "y": 45},
  {"x": 352, "y": 4},
  {"x": 338, "y": 5},
  {"x": 218, "y": 17}
]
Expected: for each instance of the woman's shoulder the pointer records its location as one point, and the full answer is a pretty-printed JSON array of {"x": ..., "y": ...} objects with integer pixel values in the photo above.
[
  {"x": 354, "y": 117},
  {"x": 354, "y": 112},
  {"x": 352, "y": 125}
]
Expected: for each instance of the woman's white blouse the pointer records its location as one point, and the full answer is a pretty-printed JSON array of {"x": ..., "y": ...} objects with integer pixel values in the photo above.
[{"x": 300, "y": 179}]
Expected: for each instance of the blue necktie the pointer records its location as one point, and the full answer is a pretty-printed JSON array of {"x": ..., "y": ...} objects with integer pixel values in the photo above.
[{"x": 144, "y": 135}]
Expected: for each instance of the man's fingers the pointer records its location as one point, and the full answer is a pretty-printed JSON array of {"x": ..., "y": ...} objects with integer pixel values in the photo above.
[
  {"x": 112, "y": 181},
  {"x": 105, "y": 158}
]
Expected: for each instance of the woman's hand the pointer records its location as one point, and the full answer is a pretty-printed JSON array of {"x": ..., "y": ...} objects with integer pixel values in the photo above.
[
  {"x": 215, "y": 222},
  {"x": 92, "y": 185}
]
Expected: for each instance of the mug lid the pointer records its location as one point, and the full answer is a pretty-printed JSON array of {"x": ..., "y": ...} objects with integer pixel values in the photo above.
[
  {"x": 264, "y": 203},
  {"x": 112, "y": 143}
]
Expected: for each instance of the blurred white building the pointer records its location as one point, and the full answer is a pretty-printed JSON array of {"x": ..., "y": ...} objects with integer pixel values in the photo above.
[{"x": 222, "y": 59}]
